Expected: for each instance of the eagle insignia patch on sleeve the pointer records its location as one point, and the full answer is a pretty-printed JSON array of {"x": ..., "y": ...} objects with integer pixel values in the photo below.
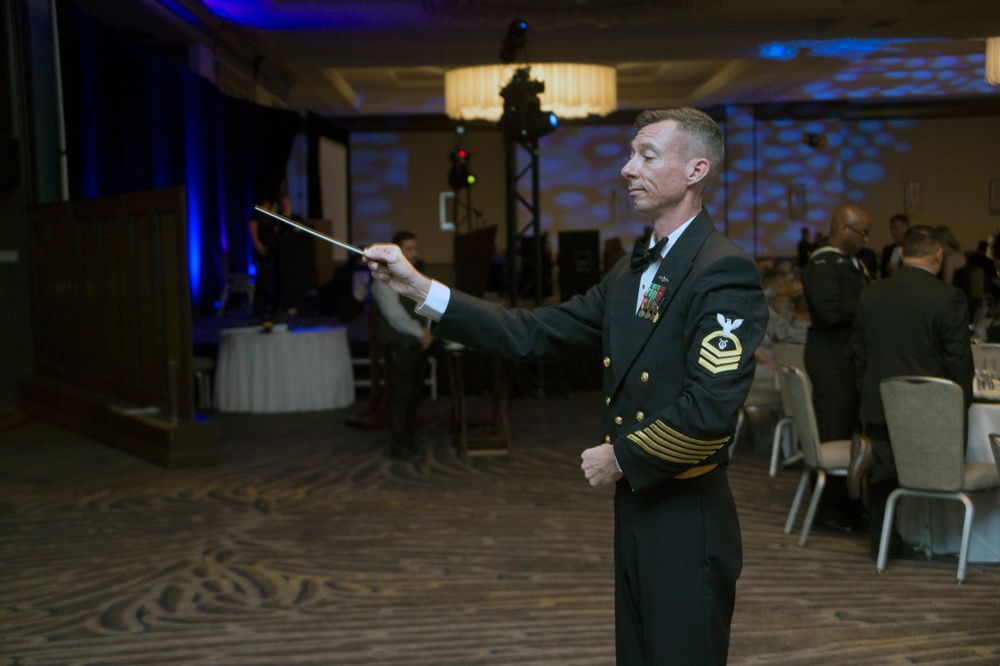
[{"x": 721, "y": 350}]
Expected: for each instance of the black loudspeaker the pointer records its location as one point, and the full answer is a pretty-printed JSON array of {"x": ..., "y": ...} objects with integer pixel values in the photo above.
[
  {"x": 10, "y": 163},
  {"x": 527, "y": 276},
  {"x": 474, "y": 254},
  {"x": 579, "y": 262}
]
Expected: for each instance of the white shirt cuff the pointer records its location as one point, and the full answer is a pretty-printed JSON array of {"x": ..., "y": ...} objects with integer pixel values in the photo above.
[{"x": 436, "y": 302}]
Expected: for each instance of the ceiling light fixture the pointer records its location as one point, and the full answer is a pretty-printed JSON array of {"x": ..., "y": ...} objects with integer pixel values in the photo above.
[
  {"x": 572, "y": 90},
  {"x": 993, "y": 61}
]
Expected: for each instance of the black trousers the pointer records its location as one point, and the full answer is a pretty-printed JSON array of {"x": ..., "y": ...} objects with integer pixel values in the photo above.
[
  {"x": 836, "y": 401},
  {"x": 678, "y": 553},
  {"x": 407, "y": 368},
  {"x": 882, "y": 481}
]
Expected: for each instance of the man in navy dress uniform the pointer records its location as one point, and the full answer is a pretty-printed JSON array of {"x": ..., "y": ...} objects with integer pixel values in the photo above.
[{"x": 678, "y": 325}]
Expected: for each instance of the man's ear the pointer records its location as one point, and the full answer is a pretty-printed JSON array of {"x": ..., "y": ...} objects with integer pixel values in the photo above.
[{"x": 698, "y": 169}]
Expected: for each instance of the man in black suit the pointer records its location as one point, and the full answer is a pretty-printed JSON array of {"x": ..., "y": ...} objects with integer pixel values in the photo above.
[
  {"x": 890, "y": 261},
  {"x": 677, "y": 326},
  {"x": 909, "y": 324}
]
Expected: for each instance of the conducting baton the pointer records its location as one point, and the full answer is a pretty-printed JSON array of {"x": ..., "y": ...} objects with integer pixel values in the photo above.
[{"x": 328, "y": 239}]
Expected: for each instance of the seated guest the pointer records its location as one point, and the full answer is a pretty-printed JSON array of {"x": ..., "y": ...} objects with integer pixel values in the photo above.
[
  {"x": 909, "y": 324},
  {"x": 954, "y": 258},
  {"x": 899, "y": 224},
  {"x": 405, "y": 339},
  {"x": 979, "y": 261}
]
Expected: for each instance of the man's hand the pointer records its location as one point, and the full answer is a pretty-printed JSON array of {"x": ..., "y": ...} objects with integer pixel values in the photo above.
[
  {"x": 599, "y": 465},
  {"x": 427, "y": 339},
  {"x": 388, "y": 264}
]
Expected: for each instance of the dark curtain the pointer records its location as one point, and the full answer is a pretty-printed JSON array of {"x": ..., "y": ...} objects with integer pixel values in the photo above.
[{"x": 138, "y": 120}]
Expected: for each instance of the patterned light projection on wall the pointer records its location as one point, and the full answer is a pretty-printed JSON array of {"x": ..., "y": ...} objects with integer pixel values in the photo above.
[
  {"x": 901, "y": 78},
  {"x": 379, "y": 185},
  {"x": 779, "y": 177}
]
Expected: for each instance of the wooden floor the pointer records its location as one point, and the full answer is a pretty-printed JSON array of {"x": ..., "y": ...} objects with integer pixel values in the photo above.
[{"x": 309, "y": 546}]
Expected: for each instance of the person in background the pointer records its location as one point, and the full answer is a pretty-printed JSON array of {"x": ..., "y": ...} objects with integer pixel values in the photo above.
[
  {"x": 677, "y": 327},
  {"x": 832, "y": 281},
  {"x": 294, "y": 265},
  {"x": 909, "y": 324},
  {"x": 264, "y": 232},
  {"x": 889, "y": 262},
  {"x": 405, "y": 338},
  {"x": 981, "y": 267},
  {"x": 954, "y": 259},
  {"x": 866, "y": 256},
  {"x": 613, "y": 251},
  {"x": 804, "y": 248}
]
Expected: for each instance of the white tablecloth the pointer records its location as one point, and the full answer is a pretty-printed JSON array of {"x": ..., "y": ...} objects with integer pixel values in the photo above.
[
  {"x": 946, "y": 517},
  {"x": 285, "y": 371}
]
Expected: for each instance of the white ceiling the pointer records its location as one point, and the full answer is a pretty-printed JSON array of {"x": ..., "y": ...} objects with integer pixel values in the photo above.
[{"x": 388, "y": 57}]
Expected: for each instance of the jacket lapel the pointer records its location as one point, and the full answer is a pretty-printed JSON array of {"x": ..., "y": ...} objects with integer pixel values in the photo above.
[{"x": 629, "y": 333}]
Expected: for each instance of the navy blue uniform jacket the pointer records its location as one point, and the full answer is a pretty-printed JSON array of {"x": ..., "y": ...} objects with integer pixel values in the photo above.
[{"x": 672, "y": 388}]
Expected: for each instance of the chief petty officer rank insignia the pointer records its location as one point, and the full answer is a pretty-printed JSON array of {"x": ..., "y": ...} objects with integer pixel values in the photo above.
[
  {"x": 721, "y": 350},
  {"x": 651, "y": 300}
]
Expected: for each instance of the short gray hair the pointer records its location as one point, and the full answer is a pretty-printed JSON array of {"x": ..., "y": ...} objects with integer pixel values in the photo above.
[{"x": 706, "y": 135}]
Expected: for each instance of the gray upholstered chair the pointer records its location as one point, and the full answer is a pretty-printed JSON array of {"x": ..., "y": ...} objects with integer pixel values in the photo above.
[
  {"x": 995, "y": 447},
  {"x": 926, "y": 421},
  {"x": 786, "y": 437},
  {"x": 821, "y": 458}
]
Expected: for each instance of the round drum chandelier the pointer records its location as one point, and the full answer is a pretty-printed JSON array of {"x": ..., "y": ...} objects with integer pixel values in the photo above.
[{"x": 572, "y": 90}]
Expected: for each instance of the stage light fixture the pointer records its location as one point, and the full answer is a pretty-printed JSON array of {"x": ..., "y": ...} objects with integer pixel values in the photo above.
[
  {"x": 814, "y": 140},
  {"x": 514, "y": 42},
  {"x": 460, "y": 176},
  {"x": 523, "y": 118}
]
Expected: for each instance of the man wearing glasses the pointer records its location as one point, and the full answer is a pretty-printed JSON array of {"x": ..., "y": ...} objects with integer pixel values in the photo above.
[{"x": 832, "y": 280}]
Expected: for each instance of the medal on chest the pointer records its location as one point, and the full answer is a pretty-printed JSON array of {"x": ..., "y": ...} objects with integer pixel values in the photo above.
[{"x": 651, "y": 301}]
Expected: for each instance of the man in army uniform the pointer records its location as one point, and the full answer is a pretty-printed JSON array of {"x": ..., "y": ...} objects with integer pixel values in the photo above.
[{"x": 678, "y": 326}]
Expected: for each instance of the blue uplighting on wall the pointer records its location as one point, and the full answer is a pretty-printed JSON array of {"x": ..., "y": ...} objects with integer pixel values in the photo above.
[
  {"x": 194, "y": 169},
  {"x": 268, "y": 15}
]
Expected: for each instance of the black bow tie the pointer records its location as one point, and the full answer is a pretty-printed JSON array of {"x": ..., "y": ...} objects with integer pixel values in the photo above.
[{"x": 643, "y": 256}]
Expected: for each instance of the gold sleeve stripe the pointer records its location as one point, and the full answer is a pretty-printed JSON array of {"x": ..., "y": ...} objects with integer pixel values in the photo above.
[
  {"x": 663, "y": 427},
  {"x": 663, "y": 452},
  {"x": 664, "y": 442},
  {"x": 714, "y": 368},
  {"x": 717, "y": 360},
  {"x": 714, "y": 354}
]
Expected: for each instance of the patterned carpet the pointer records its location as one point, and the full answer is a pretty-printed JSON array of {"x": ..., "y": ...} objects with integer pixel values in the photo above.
[{"x": 309, "y": 546}]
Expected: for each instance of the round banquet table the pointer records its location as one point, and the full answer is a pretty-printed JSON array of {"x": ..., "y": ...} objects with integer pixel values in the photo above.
[
  {"x": 304, "y": 369},
  {"x": 946, "y": 517}
]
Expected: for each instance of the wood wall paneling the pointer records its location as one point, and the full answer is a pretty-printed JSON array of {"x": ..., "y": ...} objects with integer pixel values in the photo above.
[{"x": 112, "y": 321}]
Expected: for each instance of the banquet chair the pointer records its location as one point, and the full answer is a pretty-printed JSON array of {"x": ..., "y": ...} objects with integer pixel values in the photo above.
[
  {"x": 926, "y": 421},
  {"x": 822, "y": 458},
  {"x": 232, "y": 283},
  {"x": 201, "y": 368},
  {"x": 995, "y": 448},
  {"x": 786, "y": 438}
]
